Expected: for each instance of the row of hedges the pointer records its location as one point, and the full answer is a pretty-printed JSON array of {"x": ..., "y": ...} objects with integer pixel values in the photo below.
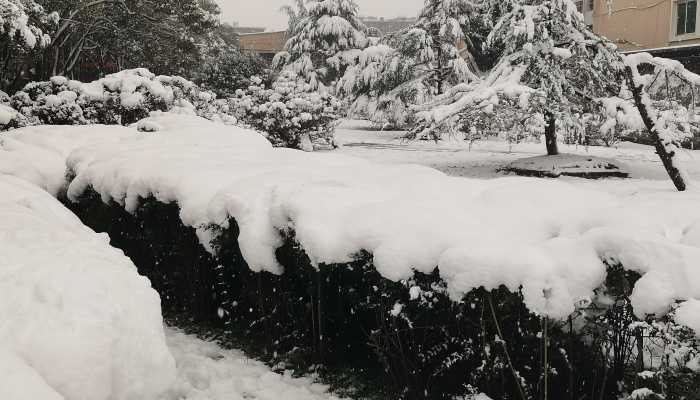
[
  {"x": 289, "y": 113},
  {"x": 409, "y": 336}
]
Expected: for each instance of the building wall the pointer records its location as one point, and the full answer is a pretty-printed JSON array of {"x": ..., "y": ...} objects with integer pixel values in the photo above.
[
  {"x": 265, "y": 44},
  {"x": 640, "y": 24}
]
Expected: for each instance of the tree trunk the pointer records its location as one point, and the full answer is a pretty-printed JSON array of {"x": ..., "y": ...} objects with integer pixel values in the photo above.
[
  {"x": 667, "y": 157},
  {"x": 550, "y": 134}
]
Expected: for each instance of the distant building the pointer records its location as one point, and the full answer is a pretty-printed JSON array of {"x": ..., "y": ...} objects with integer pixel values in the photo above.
[
  {"x": 264, "y": 44},
  {"x": 665, "y": 28},
  {"x": 386, "y": 26}
]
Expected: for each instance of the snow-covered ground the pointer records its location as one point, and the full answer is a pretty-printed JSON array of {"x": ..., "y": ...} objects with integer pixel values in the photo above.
[
  {"x": 454, "y": 156},
  {"x": 77, "y": 322},
  {"x": 207, "y": 372}
]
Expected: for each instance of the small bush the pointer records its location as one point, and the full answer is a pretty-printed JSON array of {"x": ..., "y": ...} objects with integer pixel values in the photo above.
[
  {"x": 290, "y": 113},
  {"x": 119, "y": 99}
]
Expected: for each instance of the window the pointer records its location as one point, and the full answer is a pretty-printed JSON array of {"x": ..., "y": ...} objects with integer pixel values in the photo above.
[
  {"x": 579, "y": 5},
  {"x": 686, "y": 13}
]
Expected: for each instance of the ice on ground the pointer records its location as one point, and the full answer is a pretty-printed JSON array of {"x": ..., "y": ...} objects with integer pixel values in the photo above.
[
  {"x": 548, "y": 237},
  {"x": 77, "y": 322},
  {"x": 207, "y": 372}
]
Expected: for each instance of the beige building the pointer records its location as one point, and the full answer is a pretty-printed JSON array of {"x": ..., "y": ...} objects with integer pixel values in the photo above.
[
  {"x": 264, "y": 44},
  {"x": 647, "y": 24}
]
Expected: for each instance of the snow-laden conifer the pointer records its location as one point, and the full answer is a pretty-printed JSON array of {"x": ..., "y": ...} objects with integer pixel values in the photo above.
[{"x": 321, "y": 36}]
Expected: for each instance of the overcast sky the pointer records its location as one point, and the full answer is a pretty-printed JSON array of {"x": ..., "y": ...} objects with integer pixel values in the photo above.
[{"x": 265, "y": 13}]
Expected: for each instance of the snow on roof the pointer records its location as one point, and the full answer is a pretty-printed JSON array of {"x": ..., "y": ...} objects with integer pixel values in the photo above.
[
  {"x": 76, "y": 319},
  {"x": 548, "y": 237}
]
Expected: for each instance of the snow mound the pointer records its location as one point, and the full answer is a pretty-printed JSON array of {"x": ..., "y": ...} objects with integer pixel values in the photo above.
[
  {"x": 38, "y": 154},
  {"x": 549, "y": 238},
  {"x": 77, "y": 322},
  {"x": 205, "y": 371},
  {"x": 567, "y": 165}
]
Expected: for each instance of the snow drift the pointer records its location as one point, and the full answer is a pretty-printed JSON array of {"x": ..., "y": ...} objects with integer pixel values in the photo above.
[
  {"x": 549, "y": 238},
  {"x": 77, "y": 322}
]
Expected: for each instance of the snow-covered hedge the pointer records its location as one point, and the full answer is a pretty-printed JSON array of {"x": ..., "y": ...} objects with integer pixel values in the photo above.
[
  {"x": 290, "y": 113},
  {"x": 353, "y": 247},
  {"x": 76, "y": 319},
  {"x": 122, "y": 98}
]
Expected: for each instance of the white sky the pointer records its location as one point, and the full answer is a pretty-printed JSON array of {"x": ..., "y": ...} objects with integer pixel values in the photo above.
[{"x": 265, "y": 13}]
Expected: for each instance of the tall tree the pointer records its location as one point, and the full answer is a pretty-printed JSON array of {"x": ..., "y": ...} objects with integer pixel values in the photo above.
[
  {"x": 442, "y": 49},
  {"x": 548, "y": 57},
  {"x": 323, "y": 34},
  {"x": 25, "y": 27}
]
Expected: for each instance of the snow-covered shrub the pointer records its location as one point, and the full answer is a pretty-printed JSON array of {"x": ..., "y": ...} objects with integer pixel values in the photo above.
[
  {"x": 10, "y": 118},
  {"x": 231, "y": 70},
  {"x": 368, "y": 281},
  {"x": 122, "y": 98},
  {"x": 291, "y": 113}
]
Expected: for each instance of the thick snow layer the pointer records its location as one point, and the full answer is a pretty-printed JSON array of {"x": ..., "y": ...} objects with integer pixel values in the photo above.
[
  {"x": 549, "y": 237},
  {"x": 688, "y": 314},
  {"x": 7, "y": 114},
  {"x": 207, "y": 372},
  {"x": 38, "y": 154},
  {"x": 77, "y": 322}
]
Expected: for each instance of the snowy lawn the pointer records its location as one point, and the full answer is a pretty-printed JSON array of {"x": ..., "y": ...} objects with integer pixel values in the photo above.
[{"x": 486, "y": 158}]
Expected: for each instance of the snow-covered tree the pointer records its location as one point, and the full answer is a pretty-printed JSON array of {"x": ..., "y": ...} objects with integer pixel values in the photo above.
[
  {"x": 24, "y": 27},
  {"x": 657, "y": 95},
  {"x": 322, "y": 34},
  {"x": 552, "y": 65},
  {"x": 549, "y": 62},
  {"x": 413, "y": 65}
]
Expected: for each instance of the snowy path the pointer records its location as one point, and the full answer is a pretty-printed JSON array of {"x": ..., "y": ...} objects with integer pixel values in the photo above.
[{"x": 207, "y": 372}]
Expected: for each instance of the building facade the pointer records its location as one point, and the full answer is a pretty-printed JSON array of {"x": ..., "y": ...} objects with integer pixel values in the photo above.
[
  {"x": 664, "y": 28},
  {"x": 264, "y": 44},
  {"x": 647, "y": 24}
]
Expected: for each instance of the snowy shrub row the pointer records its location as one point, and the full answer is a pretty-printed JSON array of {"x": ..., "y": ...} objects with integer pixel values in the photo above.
[
  {"x": 303, "y": 261},
  {"x": 122, "y": 99},
  {"x": 290, "y": 112},
  {"x": 350, "y": 316}
]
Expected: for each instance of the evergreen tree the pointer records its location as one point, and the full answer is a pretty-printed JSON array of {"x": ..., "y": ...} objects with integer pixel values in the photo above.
[
  {"x": 410, "y": 67},
  {"x": 25, "y": 27},
  {"x": 549, "y": 62},
  {"x": 322, "y": 35}
]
